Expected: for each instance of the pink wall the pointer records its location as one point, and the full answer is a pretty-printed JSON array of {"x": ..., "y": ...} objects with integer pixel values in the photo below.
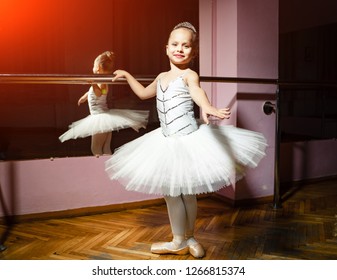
[
  {"x": 257, "y": 57},
  {"x": 241, "y": 40},
  {"x": 38, "y": 186},
  {"x": 217, "y": 44}
]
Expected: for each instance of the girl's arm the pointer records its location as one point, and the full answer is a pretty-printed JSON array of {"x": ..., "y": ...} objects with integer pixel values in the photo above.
[
  {"x": 141, "y": 91},
  {"x": 200, "y": 98},
  {"x": 100, "y": 89},
  {"x": 82, "y": 99}
]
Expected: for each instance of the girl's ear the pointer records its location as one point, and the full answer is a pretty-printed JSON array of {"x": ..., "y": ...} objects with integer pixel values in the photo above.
[{"x": 99, "y": 69}]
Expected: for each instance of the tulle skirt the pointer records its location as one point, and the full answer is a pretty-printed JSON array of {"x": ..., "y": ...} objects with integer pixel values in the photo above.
[
  {"x": 114, "y": 119},
  {"x": 204, "y": 161}
]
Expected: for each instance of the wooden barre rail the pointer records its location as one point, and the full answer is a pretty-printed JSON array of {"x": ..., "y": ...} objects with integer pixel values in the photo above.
[
  {"x": 60, "y": 79},
  {"x": 88, "y": 79}
]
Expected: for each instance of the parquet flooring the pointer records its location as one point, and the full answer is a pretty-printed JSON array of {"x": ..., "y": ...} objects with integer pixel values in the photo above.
[{"x": 304, "y": 228}]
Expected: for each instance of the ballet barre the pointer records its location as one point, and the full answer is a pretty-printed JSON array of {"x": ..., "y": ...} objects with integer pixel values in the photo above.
[
  {"x": 64, "y": 79},
  {"x": 98, "y": 78}
]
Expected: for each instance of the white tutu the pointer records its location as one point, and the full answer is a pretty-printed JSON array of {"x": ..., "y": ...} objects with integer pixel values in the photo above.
[
  {"x": 204, "y": 161},
  {"x": 113, "y": 119}
]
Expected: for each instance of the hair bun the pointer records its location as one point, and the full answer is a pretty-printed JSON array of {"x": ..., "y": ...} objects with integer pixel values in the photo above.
[{"x": 110, "y": 54}]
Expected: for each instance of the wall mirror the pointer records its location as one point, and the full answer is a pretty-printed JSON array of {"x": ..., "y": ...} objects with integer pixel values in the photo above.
[{"x": 64, "y": 37}]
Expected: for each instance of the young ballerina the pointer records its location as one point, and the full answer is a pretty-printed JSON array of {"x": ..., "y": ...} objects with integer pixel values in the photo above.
[
  {"x": 183, "y": 158},
  {"x": 102, "y": 120}
]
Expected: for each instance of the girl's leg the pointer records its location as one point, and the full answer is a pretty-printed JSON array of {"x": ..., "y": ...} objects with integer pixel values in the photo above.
[
  {"x": 190, "y": 202},
  {"x": 177, "y": 215},
  {"x": 97, "y": 143},
  {"x": 107, "y": 144},
  {"x": 182, "y": 211}
]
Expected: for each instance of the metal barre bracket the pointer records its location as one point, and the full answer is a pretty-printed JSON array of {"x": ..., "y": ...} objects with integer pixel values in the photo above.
[{"x": 268, "y": 108}]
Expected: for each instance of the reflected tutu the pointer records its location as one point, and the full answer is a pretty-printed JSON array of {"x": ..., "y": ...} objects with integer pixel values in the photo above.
[
  {"x": 204, "y": 161},
  {"x": 114, "y": 119}
]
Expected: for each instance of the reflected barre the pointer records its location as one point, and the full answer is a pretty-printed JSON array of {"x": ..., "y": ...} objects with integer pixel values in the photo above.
[{"x": 64, "y": 79}]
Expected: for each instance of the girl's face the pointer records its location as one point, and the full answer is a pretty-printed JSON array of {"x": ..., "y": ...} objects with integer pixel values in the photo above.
[
  {"x": 179, "y": 48},
  {"x": 97, "y": 67}
]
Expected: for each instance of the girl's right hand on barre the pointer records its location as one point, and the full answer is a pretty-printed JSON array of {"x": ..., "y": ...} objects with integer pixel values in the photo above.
[{"x": 118, "y": 74}]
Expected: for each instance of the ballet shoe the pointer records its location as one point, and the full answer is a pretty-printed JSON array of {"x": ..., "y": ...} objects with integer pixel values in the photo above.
[
  {"x": 195, "y": 248},
  {"x": 169, "y": 248}
]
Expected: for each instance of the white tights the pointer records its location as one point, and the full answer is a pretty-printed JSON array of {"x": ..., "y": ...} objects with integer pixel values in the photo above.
[{"x": 182, "y": 211}]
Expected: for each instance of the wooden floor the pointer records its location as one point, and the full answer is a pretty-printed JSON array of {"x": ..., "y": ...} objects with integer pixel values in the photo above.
[{"x": 304, "y": 228}]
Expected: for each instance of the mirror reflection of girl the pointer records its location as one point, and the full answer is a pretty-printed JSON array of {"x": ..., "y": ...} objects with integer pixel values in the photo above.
[
  {"x": 183, "y": 158},
  {"x": 102, "y": 120}
]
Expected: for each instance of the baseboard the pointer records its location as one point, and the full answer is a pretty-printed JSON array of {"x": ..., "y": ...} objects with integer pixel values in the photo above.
[
  {"x": 85, "y": 211},
  {"x": 298, "y": 183},
  {"x": 243, "y": 202},
  {"x": 82, "y": 211}
]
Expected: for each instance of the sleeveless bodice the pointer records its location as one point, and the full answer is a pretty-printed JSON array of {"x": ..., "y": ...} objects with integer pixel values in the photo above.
[
  {"x": 97, "y": 104},
  {"x": 175, "y": 108}
]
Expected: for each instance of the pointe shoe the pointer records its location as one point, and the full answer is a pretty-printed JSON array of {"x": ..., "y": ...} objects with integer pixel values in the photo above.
[
  {"x": 169, "y": 248},
  {"x": 195, "y": 249}
]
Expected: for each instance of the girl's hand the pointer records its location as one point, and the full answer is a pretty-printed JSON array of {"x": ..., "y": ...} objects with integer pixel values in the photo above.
[
  {"x": 81, "y": 100},
  {"x": 118, "y": 74},
  {"x": 218, "y": 113}
]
